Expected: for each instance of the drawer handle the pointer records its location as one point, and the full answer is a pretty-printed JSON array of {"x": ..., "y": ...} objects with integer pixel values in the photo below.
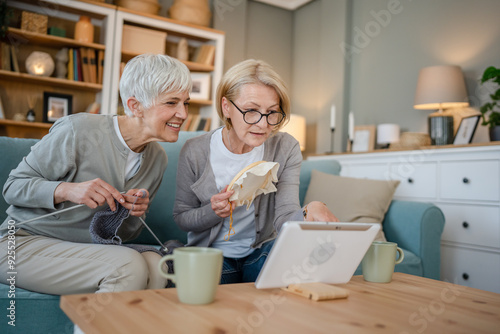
[
  {"x": 465, "y": 180},
  {"x": 465, "y": 224},
  {"x": 465, "y": 276},
  {"x": 410, "y": 180}
]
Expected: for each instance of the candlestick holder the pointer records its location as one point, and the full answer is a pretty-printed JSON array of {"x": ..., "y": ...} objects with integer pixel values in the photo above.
[{"x": 331, "y": 140}]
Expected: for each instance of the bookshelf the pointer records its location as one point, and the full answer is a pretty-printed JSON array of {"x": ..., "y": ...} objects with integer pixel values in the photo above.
[
  {"x": 17, "y": 86},
  {"x": 197, "y": 37},
  {"x": 108, "y": 21}
]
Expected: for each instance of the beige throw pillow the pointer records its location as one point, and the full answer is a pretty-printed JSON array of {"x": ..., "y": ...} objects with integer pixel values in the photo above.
[{"x": 352, "y": 199}]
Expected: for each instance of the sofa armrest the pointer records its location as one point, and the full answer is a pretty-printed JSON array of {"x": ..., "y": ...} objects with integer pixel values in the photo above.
[{"x": 417, "y": 227}]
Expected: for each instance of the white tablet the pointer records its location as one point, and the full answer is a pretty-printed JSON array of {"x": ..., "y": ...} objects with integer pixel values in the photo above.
[{"x": 316, "y": 252}]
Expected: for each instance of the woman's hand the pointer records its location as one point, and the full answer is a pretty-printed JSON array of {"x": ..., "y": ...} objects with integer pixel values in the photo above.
[
  {"x": 319, "y": 212},
  {"x": 220, "y": 203},
  {"x": 92, "y": 193},
  {"x": 137, "y": 201}
]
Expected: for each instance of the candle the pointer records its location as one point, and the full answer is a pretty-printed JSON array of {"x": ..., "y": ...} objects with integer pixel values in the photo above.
[
  {"x": 351, "y": 126},
  {"x": 332, "y": 117}
]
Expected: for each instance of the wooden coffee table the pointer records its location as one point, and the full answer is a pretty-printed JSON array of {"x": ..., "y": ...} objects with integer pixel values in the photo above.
[{"x": 409, "y": 304}]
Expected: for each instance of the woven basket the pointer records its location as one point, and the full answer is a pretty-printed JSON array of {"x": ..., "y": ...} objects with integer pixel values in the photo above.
[{"x": 412, "y": 140}]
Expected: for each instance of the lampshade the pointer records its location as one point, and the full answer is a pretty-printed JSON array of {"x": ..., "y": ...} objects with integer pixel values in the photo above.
[
  {"x": 441, "y": 87},
  {"x": 297, "y": 128},
  {"x": 387, "y": 134}
]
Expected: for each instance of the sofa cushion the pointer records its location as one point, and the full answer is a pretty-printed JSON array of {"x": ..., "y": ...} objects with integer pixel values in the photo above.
[
  {"x": 326, "y": 166},
  {"x": 12, "y": 151},
  {"x": 35, "y": 313},
  {"x": 352, "y": 199}
]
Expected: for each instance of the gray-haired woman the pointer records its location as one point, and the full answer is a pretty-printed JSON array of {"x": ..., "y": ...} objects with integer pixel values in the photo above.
[{"x": 96, "y": 160}]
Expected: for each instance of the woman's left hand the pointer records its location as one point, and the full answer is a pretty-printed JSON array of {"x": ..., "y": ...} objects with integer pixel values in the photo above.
[
  {"x": 137, "y": 201},
  {"x": 319, "y": 212}
]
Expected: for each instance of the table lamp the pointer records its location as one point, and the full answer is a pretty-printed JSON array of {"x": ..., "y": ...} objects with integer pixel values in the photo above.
[
  {"x": 441, "y": 87},
  {"x": 297, "y": 128}
]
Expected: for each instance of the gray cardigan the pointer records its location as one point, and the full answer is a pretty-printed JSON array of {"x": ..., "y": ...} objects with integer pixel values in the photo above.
[
  {"x": 196, "y": 185},
  {"x": 78, "y": 148}
]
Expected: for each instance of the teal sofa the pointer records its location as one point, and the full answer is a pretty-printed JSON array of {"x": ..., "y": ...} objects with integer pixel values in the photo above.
[{"x": 416, "y": 227}]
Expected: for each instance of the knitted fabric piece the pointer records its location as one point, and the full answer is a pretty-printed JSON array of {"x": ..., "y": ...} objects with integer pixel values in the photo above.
[{"x": 104, "y": 228}]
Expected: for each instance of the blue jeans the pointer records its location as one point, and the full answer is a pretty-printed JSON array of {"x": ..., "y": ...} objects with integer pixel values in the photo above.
[{"x": 245, "y": 269}]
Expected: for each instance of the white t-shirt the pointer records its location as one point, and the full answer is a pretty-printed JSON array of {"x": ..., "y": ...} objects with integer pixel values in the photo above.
[
  {"x": 225, "y": 166},
  {"x": 133, "y": 160}
]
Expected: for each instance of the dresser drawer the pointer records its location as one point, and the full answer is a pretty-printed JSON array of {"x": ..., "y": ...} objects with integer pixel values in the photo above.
[
  {"x": 471, "y": 180},
  {"x": 417, "y": 180},
  {"x": 367, "y": 171},
  {"x": 476, "y": 269},
  {"x": 477, "y": 225}
]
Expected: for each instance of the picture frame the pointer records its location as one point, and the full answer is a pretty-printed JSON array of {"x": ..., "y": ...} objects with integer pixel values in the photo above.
[
  {"x": 364, "y": 139},
  {"x": 466, "y": 130},
  {"x": 55, "y": 106},
  {"x": 201, "y": 86}
]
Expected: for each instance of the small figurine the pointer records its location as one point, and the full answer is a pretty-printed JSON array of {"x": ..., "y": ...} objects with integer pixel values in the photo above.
[{"x": 62, "y": 63}]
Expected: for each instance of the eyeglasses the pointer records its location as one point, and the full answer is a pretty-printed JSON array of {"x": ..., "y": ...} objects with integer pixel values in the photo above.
[{"x": 254, "y": 116}]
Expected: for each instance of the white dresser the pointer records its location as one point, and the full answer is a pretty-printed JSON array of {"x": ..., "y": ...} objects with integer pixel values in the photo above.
[{"x": 464, "y": 182}]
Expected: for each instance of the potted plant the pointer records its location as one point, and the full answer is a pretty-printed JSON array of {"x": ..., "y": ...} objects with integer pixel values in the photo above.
[{"x": 493, "y": 107}]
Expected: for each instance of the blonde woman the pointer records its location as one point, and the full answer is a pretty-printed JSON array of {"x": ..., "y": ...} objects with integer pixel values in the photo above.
[{"x": 253, "y": 103}]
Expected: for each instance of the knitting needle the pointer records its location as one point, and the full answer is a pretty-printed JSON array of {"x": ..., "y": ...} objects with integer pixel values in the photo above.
[
  {"x": 146, "y": 225},
  {"x": 47, "y": 215}
]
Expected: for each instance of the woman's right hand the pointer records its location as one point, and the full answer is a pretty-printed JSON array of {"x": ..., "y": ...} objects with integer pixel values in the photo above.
[
  {"x": 220, "y": 203},
  {"x": 92, "y": 193}
]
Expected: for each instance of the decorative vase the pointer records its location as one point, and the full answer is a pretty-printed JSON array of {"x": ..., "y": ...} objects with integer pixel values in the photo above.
[
  {"x": 191, "y": 11},
  {"x": 30, "y": 116},
  {"x": 84, "y": 30},
  {"x": 495, "y": 133}
]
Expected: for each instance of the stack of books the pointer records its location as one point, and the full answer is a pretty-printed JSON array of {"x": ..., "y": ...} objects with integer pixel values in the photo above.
[{"x": 86, "y": 65}]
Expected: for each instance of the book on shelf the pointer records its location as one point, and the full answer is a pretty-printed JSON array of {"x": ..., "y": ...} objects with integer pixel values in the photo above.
[
  {"x": 201, "y": 124},
  {"x": 205, "y": 54},
  {"x": 194, "y": 123},
  {"x": 207, "y": 124},
  {"x": 84, "y": 59},
  {"x": 14, "y": 61},
  {"x": 93, "y": 65},
  {"x": 100, "y": 66},
  {"x": 70, "y": 64},
  {"x": 78, "y": 65},
  {"x": 5, "y": 54},
  {"x": 186, "y": 123}
]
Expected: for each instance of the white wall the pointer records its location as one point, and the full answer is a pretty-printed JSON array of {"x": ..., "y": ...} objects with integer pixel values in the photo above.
[
  {"x": 352, "y": 54},
  {"x": 421, "y": 33}
]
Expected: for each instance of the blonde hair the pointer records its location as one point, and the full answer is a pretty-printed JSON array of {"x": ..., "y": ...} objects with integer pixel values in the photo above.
[{"x": 251, "y": 71}]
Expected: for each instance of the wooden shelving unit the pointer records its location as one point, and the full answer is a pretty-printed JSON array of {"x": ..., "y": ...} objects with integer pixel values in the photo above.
[
  {"x": 19, "y": 129},
  {"x": 108, "y": 21}
]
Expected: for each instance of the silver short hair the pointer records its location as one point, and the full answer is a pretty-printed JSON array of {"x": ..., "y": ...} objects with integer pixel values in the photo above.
[{"x": 148, "y": 76}]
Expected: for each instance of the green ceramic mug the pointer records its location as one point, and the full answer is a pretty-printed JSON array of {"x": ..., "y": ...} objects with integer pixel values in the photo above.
[
  {"x": 379, "y": 261},
  {"x": 197, "y": 273}
]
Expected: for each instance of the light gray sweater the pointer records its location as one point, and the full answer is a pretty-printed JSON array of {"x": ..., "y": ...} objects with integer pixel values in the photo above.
[
  {"x": 78, "y": 148},
  {"x": 196, "y": 185}
]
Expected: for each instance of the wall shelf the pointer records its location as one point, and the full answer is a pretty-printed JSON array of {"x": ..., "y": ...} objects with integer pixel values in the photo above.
[
  {"x": 49, "y": 40},
  {"x": 51, "y": 81}
]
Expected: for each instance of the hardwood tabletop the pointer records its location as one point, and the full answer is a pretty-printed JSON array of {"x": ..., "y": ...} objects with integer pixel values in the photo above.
[{"x": 409, "y": 304}]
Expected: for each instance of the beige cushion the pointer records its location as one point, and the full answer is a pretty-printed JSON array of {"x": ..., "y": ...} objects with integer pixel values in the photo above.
[{"x": 352, "y": 199}]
